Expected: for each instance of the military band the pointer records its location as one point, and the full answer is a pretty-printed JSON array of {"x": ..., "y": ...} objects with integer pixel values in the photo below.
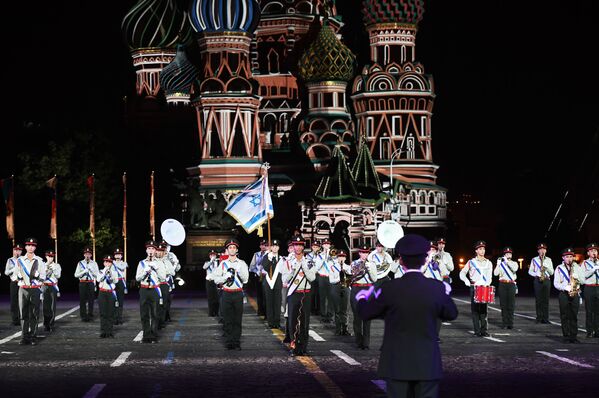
[
  {"x": 478, "y": 272},
  {"x": 541, "y": 269},
  {"x": 363, "y": 276},
  {"x": 590, "y": 268},
  {"x": 298, "y": 274},
  {"x": 506, "y": 270},
  {"x": 232, "y": 274},
  {"x": 31, "y": 272},
  {"x": 568, "y": 279},
  {"x": 149, "y": 272},
  {"x": 51, "y": 291},
  {"x": 107, "y": 297},
  {"x": 120, "y": 267},
  {"x": 272, "y": 282},
  {"x": 211, "y": 289},
  {"x": 339, "y": 281},
  {"x": 87, "y": 272},
  {"x": 11, "y": 272}
]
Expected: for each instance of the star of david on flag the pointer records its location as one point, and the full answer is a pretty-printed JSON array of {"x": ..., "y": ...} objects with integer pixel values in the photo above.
[{"x": 252, "y": 206}]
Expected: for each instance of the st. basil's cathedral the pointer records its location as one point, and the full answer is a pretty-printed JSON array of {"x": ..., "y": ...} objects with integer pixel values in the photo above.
[{"x": 272, "y": 81}]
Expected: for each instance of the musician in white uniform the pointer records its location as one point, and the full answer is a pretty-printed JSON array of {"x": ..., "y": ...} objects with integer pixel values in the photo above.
[
  {"x": 120, "y": 267},
  {"x": 324, "y": 264},
  {"x": 445, "y": 259},
  {"x": 10, "y": 271},
  {"x": 478, "y": 272},
  {"x": 298, "y": 274},
  {"x": 363, "y": 276},
  {"x": 232, "y": 274},
  {"x": 506, "y": 270},
  {"x": 31, "y": 272},
  {"x": 271, "y": 284},
  {"x": 87, "y": 272},
  {"x": 339, "y": 293},
  {"x": 148, "y": 273},
  {"x": 433, "y": 268},
  {"x": 211, "y": 289},
  {"x": 591, "y": 290},
  {"x": 51, "y": 291},
  {"x": 542, "y": 282},
  {"x": 568, "y": 278},
  {"x": 107, "y": 297},
  {"x": 382, "y": 261}
]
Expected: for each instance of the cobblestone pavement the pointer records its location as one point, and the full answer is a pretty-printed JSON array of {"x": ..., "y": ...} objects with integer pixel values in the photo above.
[{"x": 190, "y": 360}]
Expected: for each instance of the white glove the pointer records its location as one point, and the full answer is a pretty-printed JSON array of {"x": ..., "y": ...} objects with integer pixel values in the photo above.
[
  {"x": 569, "y": 288},
  {"x": 468, "y": 284},
  {"x": 447, "y": 288}
]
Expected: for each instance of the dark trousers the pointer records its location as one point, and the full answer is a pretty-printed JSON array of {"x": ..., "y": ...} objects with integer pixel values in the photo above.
[
  {"x": 479, "y": 314},
  {"x": 232, "y": 303},
  {"x": 324, "y": 293},
  {"x": 162, "y": 308},
  {"x": 412, "y": 389},
  {"x": 49, "y": 305},
  {"x": 86, "y": 300},
  {"x": 591, "y": 306},
  {"x": 272, "y": 300},
  {"x": 106, "y": 302},
  {"x": 339, "y": 301},
  {"x": 507, "y": 300},
  {"x": 120, "y": 295},
  {"x": 568, "y": 313},
  {"x": 29, "y": 308},
  {"x": 256, "y": 288},
  {"x": 14, "y": 303},
  {"x": 213, "y": 300},
  {"x": 361, "y": 327},
  {"x": 315, "y": 298},
  {"x": 379, "y": 282},
  {"x": 298, "y": 319},
  {"x": 542, "y": 290},
  {"x": 148, "y": 310}
]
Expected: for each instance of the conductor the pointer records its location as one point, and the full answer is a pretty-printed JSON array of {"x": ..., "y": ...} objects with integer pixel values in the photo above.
[{"x": 410, "y": 360}]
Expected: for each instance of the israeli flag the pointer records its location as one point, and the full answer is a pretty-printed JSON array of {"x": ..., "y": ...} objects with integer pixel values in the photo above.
[{"x": 252, "y": 206}]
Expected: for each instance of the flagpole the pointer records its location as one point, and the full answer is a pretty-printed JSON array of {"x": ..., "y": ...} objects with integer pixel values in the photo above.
[
  {"x": 56, "y": 221},
  {"x": 12, "y": 177},
  {"x": 152, "y": 224},
  {"x": 125, "y": 217}
]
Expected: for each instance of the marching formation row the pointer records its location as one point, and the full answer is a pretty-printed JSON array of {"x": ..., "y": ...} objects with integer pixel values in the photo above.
[
  {"x": 294, "y": 286},
  {"x": 34, "y": 280}
]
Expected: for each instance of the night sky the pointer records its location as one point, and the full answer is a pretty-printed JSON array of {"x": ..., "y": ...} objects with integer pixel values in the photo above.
[{"x": 516, "y": 116}]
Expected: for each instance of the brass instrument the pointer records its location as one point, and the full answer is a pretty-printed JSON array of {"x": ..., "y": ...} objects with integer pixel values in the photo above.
[
  {"x": 333, "y": 253},
  {"x": 574, "y": 283},
  {"x": 358, "y": 270},
  {"x": 383, "y": 267},
  {"x": 543, "y": 273}
]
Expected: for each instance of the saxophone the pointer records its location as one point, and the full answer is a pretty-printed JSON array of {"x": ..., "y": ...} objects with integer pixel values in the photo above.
[
  {"x": 543, "y": 274},
  {"x": 574, "y": 283}
]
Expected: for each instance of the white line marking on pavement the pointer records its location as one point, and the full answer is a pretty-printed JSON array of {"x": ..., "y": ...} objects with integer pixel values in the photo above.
[
  {"x": 571, "y": 362},
  {"x": 444, "y": 323},
  {"x": 382, "y": 384},
  {"x": 315, "y": 335},
  {"x": 18, "y": 334},
  {"x": 121, "y": 359},
  {"x": 345, "y": 357},
  {"x": 139, "y": 336},
  {"x": 562, "y": 349},
  {"x": 6, "y": 352},
  {"x": 516, "y": 314},
  {"x": 489, "y": 338},
  {"x": 502, "y": 334},
  {"x": 94, "y": 391}
]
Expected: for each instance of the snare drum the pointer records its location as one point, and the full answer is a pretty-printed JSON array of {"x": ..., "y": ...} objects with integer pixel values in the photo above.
[{"x": 484, "y": 294}]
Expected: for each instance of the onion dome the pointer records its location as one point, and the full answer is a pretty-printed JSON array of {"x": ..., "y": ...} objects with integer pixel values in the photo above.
[
  {"x": 392, "y": 11},
  {"x": 155, "y": 24},
  {"x": 177, "y": 77},
  {"x": 327, "y": 59},
  {"x": 210, "y": 16}
]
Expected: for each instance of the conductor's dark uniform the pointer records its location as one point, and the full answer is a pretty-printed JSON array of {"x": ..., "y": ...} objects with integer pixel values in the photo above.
[{"x": 410, "y": 358}]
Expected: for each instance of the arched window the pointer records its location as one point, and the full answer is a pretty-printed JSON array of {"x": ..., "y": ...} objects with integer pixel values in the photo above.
[{"x": 273, "y": 61}]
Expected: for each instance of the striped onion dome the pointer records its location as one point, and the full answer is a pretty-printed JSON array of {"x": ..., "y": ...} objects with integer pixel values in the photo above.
[
  {"x": 210, "y": 16},
  {"x": 177, "y": 77},
  {"x": 392, "y": 11},
  {"x": 155, "y": 24},
  {"x": 327, "y": 59}
]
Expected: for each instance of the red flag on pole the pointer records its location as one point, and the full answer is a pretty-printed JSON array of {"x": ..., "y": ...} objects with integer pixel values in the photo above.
[
  {"x": 152, "y": 223},
  {"x": 51, "y": 183},
  {"x": 8, "y": 191},
  {"x": 92, "y": 207}
]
